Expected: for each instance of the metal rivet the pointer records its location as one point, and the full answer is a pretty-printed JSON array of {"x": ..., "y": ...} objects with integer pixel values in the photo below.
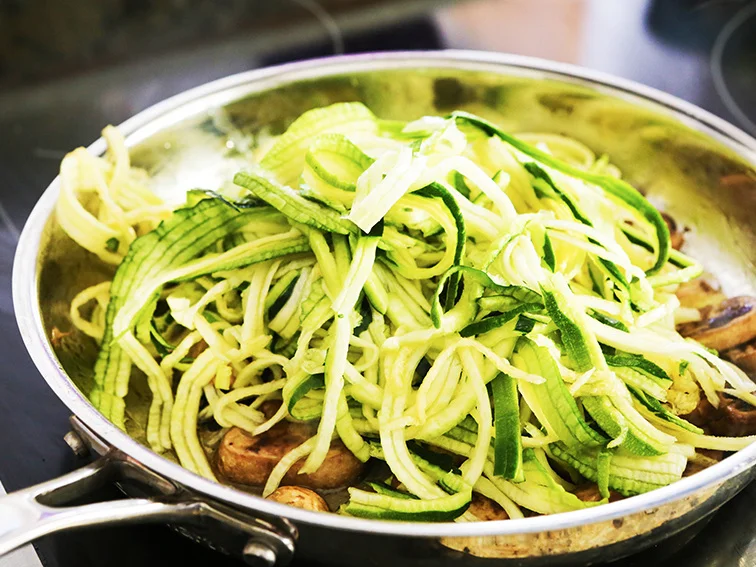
[
  {"x": 76, "y": 444},
  {"x": 259, "y": 554}
]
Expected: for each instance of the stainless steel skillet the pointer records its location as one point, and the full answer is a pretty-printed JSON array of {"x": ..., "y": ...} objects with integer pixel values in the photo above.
[{"x": 690, "y": 163}]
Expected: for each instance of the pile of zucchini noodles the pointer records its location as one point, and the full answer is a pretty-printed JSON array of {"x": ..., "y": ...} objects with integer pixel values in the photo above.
[{"x": 410, "y": 287}]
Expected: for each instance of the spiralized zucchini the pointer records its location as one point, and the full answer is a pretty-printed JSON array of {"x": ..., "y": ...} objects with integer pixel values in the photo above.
[
  {"x": 438, "y": 284},
  {"x": 104, "y": 203}
]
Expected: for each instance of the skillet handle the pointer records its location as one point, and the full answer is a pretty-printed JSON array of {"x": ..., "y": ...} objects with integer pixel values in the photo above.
[{"x": 38, "y": 511}]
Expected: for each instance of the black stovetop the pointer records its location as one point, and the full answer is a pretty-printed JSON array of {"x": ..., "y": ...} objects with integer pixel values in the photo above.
[{"x": 93, "y": 67}]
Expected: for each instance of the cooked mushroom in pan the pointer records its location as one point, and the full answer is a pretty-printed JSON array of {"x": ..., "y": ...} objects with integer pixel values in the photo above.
[
  {"x": 724, "y": 326},
  {"x": 485, "y": 509},
  {"x": 731, "y": 417},
  {"x": 300, "y": 497},
  {"x": 591, "y": 493},
  {"x": 699, "y": 293},
  {"x": 744, "y": 356},
  {"x": 247, "y": 459}
]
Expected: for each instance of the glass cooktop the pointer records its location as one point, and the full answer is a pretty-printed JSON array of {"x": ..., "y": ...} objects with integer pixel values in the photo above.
[{"x": 68, "y": 69}]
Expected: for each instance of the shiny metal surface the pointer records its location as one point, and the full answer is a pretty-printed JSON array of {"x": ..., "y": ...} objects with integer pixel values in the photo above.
[
  {"x": 690, "y": 163},
  {"x": 23, "y": 557}
]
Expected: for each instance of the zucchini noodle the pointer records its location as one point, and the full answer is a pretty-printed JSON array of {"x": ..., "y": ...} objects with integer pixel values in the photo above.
[
  {"x": 95, "y": 326},
  {"x": 122, "y": 208},
  {"x": 417, "y": 291}
]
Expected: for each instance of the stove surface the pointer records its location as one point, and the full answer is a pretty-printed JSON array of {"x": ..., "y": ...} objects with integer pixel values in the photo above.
[{"x": 108, "y": 62}]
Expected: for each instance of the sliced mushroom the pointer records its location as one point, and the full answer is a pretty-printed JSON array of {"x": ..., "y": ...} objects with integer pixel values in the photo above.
[
  {"x": 485, "y": 509},
  {"x": 590, "y": 493},
  {"x": 744, "y": 356},
  {"x": 699, "y": 293},
  {"x": 733, "y": 417},
  {"x": 729, "y": 324},
  {"x": 739, "y": 417},
  {"x": 249, "y": 460},
  {"x": 676, "y": 236},
  {"x": 703, "y": 415},
  {"x": 703, "y": 459},
  {"x": 300, "y": 497}
]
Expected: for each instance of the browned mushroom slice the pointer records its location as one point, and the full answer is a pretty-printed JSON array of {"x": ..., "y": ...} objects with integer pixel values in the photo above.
[
  {"x": 485, "y": 509},
  {"x": 731, "y": 323},
  {"x": 300, "y": 497},
  {"x": 744, "y": 356},
  {"x": 699, "y": 293},
  {"x": 676, "y": 236},
  {"x": 249, "y": 460},
  {"x": 739, "y": 418},
  {"x": 733, "y": 417},
  {"x": 705, "y": 459},
  {"x": 703, "y": 416},
  {"x": 590, "y": 493}
]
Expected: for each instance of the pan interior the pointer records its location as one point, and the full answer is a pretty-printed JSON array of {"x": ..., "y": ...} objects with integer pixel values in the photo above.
[{"x": 704, "y": 185}]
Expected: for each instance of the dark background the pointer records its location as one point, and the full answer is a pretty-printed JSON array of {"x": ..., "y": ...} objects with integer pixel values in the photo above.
[{"x": 68, "y": 68}]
